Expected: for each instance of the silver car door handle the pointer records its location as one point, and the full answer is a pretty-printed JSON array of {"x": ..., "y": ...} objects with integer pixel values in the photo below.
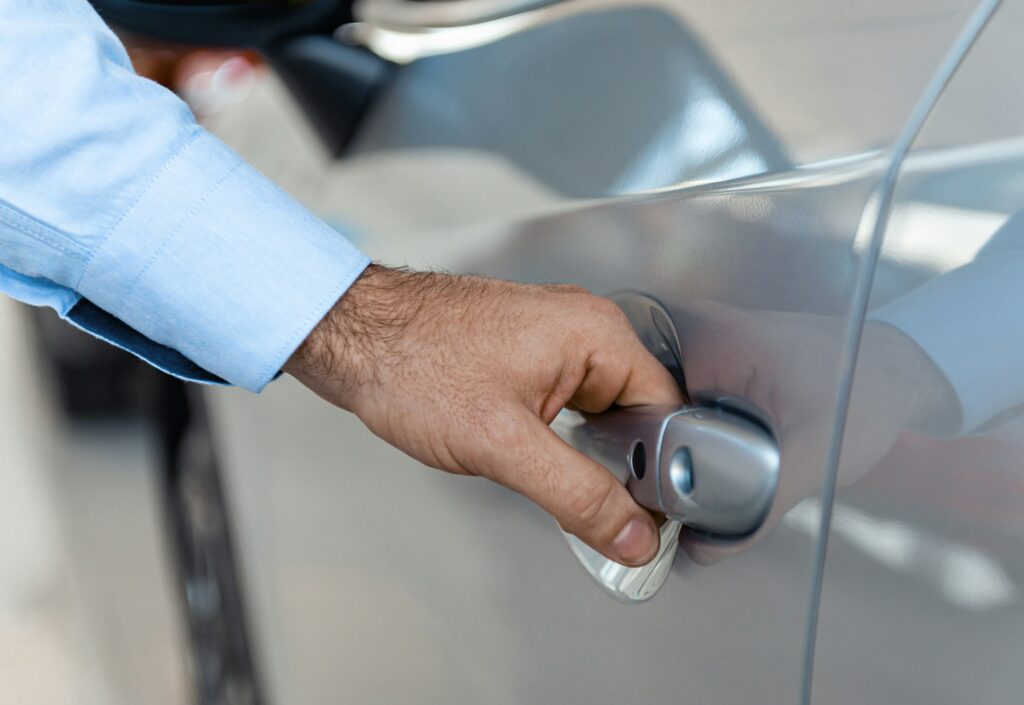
[{"x": 711, "y": 468}]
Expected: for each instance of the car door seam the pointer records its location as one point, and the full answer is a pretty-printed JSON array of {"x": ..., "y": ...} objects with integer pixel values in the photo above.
[{"x": 922, "y": 110}]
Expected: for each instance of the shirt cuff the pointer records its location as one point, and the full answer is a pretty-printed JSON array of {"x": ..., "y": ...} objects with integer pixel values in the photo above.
[{"x": 216, "y": 262}]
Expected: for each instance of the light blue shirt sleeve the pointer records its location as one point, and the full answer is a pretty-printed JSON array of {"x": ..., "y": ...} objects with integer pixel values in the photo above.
[{"x": 134, "y": 223}]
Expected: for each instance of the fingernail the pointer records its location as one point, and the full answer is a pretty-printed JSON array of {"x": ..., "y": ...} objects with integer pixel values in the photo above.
[{"x": 635, "y": 544}]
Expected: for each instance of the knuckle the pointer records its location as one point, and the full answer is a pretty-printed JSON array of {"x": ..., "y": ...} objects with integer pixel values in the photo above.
[
  {"x": 498, "y": 430},
  {"x": 614, "y": 316},
  {"x": 599, "y": 315},
  {"x": 589, "y": 504},
  {"x": 603, "y": 305},
  {"x": 569, "y": 289},
  {"x": 593, "y": 330}
]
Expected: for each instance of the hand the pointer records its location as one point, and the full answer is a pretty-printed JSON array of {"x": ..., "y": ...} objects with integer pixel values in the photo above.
[
  {"x": 786, "y": 364},
  {"x": 464, "y": 374}
]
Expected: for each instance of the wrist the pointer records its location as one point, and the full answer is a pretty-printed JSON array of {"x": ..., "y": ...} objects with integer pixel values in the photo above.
[{"x": 355, "y": 343}]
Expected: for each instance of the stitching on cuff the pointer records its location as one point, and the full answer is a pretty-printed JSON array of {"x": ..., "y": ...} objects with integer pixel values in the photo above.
[
  {"x": 138, "y": 199},
  {"x": 172, "y": 235}
]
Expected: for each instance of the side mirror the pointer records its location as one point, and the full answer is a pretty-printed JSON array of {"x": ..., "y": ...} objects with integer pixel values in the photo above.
[{"x": 332, "y": 82}]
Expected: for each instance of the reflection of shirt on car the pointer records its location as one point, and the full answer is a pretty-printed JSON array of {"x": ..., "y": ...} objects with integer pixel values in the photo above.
[
  {"x": 970, "y": 322},
  {"x": 134, "y": 223}
]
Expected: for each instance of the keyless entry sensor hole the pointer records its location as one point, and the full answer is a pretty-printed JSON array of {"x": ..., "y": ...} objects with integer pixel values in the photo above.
[{"x": 638, "y": 460}]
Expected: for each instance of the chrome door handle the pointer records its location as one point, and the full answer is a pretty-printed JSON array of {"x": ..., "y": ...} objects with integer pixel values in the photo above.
[{"x": 712, "y": 468}]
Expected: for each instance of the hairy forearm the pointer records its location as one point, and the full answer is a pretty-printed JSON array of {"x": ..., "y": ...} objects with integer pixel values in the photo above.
[{"x": 357, "y": 341}]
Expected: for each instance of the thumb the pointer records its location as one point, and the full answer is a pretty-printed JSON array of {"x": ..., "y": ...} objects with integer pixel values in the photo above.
[{"x": 582, "y": 495}]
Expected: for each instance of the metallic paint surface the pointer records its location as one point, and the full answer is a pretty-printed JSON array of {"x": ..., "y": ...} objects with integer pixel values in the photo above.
[
  {"x": 923, "y": 593},
  {"x": 565, "y": 160}
]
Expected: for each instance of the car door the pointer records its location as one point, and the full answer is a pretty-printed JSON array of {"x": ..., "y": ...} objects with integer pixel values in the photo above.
[
  {"x": 725, "y": 161},
  {"x": 923, "y": 583}
]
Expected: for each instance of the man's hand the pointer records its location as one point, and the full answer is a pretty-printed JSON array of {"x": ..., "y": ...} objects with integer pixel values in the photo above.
[{"x": 465, "y": 374}]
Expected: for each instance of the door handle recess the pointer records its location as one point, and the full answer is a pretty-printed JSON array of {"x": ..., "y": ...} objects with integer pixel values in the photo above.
[{"x": 713, "y": 467}]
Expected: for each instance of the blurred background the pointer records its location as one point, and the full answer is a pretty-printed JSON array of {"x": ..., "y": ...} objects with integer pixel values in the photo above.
[
  {"x": 88, "y": 612},
  {"x": 90, "y": 609}
]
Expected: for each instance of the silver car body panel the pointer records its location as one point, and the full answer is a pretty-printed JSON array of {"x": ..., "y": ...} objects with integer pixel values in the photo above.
[
  {"x": 725, "y": 160},
  {"x": 923, "y": 592}
]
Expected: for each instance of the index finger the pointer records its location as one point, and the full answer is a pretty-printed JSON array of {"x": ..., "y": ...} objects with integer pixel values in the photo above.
[{"x": 622, "y": 371}]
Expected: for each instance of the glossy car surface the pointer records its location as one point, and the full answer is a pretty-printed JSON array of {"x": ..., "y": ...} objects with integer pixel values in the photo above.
[{"x": 775, "y": 174}]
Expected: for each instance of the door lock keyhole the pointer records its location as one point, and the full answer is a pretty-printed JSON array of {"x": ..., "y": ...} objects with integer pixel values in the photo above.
[{"x": 638, "y": 459}]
